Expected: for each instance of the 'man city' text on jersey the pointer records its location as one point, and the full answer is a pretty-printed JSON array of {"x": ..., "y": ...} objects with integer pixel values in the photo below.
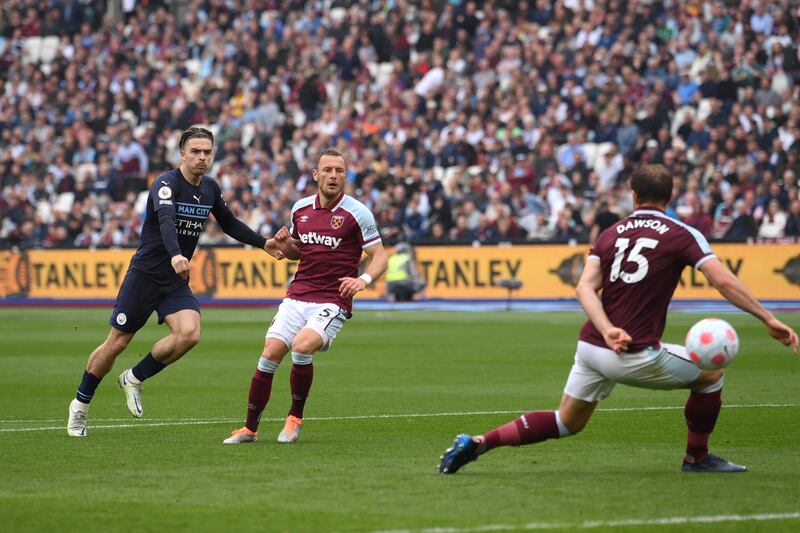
[{"x": 189, "y": 210}]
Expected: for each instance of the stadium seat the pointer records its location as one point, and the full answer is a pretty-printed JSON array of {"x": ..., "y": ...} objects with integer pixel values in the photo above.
[
  {"x": 248, "y": 133},
  {"x": 64, "y": 202},
  {"x": 141, "y": 202},
  {"x": 677, "y": 118},
  {"x": 31, "y": 50},
  {"x": 44, "y": 211},
  {"x": 49, "y": 49},
  {"x": 86, "y": 171},
  {"x": 384, "y": 73},
  {"x": 599, "y": 150},
  {"x": 193, "y": 66},
  {"x": 590, "y": 149}
]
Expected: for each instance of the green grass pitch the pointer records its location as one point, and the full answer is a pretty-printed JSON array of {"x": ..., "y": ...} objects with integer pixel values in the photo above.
[{"x": 387, "y": 399}]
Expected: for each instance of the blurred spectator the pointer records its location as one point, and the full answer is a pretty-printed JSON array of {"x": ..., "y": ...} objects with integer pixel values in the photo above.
[
  {"x": 773, "y": 224},
  {"x": 131, "y": 163},
  {"x": 744, "y": 225},
  {"x": 724, "y": 215},
  {"x": 445, "y": 110},
  {"x": 793, "y": 220}
]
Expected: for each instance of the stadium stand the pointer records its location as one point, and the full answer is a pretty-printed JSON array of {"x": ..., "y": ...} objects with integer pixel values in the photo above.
[{"x": 464, "y": 120}]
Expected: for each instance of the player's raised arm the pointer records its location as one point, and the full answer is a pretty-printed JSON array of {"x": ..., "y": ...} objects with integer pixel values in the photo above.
[
  {"x": 378, "y": 260},
  {"x": 588, "y": 286},
  {"x": 737, "y": 293}
]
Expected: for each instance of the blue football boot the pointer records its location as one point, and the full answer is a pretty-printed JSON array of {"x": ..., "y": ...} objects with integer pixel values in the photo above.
[
  {"x": 712, "y": 463},
  {"x": 463, "y": 451}
]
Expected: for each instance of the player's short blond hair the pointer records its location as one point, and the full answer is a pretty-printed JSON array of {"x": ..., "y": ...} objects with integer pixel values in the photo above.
[{"x": 329, "y": 151}]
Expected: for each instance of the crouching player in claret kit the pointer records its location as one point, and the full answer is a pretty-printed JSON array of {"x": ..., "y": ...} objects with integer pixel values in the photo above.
[{"x": 636, "y": 265}]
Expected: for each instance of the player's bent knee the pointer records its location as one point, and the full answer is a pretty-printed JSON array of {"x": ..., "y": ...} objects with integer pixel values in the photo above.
[
  {"x": 308, "y": 344},
  {"x": 708, "y": 381},
  {"x": 117, "y": 343},
  {"x": 191, "y": 338}
]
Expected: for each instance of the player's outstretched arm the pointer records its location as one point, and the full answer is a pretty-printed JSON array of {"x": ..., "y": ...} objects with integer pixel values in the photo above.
[
  {"x": 590, "y": 283},
  {"x": 378, "y": 260},
  {"x": 239, "y": 230},
  {"x": 737, "y": 293}
]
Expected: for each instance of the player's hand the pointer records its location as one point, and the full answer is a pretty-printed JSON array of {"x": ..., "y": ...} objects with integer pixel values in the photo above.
[
  {"x": 617, "y": 339},
  {"x": 350, "y": 286},
  {"x": 181, "y": 266},
  {"x": 273, "y": 248},
  {"x": 282, "y": 235},
  {"x": 782, "y": 333}
]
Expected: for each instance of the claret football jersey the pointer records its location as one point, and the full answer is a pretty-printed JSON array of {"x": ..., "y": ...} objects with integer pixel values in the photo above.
[
  {"x": 641, "y": 259},
  {"x": 331, "y": 242}
]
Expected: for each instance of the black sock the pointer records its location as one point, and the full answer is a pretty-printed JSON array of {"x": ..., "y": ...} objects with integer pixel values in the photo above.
[
  {"x": 147, "y": 367},
  {"x": 87, "y": 387}
]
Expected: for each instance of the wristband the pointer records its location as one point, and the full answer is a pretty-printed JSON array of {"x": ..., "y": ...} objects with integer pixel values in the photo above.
[{"x": 366, "y": 277}]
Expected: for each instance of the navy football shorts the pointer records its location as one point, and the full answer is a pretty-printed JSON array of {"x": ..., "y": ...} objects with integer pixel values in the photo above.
[{"x": 139, "y": 296}]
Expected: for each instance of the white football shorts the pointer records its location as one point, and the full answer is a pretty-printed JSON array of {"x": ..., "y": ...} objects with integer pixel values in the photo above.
[
  {"x": 597, "y": 370},
  {"x": 293, "y": 315}
]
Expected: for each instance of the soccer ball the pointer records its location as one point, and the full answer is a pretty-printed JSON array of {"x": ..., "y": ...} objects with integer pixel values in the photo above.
[{"x": 712, "y": 343}]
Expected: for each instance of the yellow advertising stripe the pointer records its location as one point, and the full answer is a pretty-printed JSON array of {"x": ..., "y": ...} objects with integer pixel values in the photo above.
[{"x": 451, "y": 272}]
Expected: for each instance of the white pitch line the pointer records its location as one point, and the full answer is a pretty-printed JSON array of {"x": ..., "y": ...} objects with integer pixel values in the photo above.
[
  {"x": 208, "y": 421},
  {"x": 591, "y": 524}
]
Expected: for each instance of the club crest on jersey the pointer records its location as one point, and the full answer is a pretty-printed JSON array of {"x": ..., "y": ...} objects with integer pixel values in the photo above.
[{"x": 337, "y": 221}]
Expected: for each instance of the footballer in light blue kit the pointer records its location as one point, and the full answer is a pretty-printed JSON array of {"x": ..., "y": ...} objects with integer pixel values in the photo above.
[{"x": 178, "y": 206}]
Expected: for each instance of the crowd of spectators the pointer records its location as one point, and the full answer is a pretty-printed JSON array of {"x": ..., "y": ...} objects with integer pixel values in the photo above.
[{"x": 460, "y": 120}]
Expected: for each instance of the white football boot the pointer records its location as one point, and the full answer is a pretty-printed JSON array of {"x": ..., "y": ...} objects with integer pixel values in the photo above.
[
  {"x": 78, "y": 418},
  {"x": 132, "y": 388},
  {"x": 291, "y": 430},
  {"x": 241, "y": 435}
]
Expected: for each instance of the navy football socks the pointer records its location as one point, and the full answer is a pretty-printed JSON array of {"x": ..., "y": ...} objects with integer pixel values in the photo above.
[
  {"x": 87, "y": 387},
  {"x": 147, "y": 367}
]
